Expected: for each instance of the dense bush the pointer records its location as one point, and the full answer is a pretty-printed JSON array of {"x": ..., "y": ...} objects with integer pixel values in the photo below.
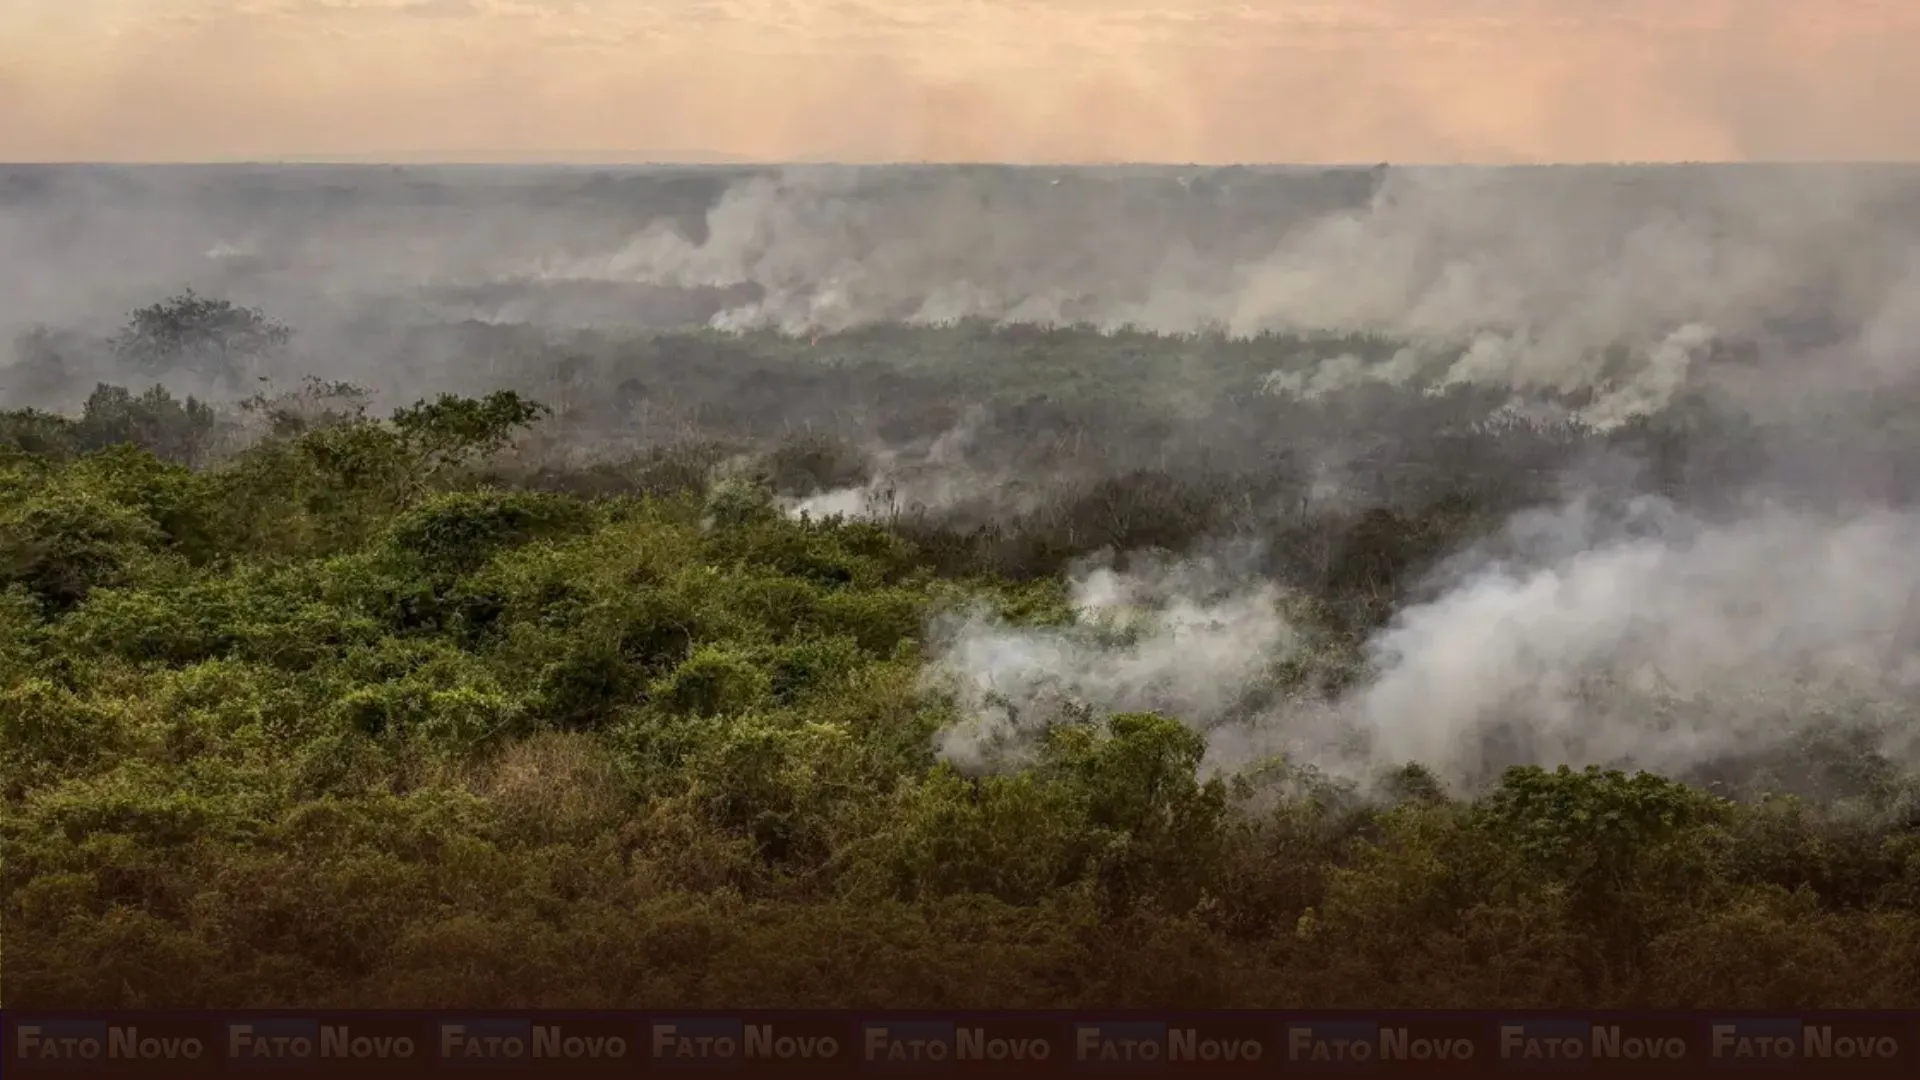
[{"x": 376, "y": 713}]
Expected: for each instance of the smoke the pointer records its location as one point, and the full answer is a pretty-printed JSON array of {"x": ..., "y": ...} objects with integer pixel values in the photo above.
[
  {"x": 1648, "y": 388},
  {"x": 1534, "y": 280},
  {"x": 1433, "y": 255},
  {"x": 933, "y": 478},
  {"x": 1653, "y": 387},
  {"x": 1637, "y": 636},
  {"x": 1185, "y": 637},
  {"x": 1666, "y": 650}
]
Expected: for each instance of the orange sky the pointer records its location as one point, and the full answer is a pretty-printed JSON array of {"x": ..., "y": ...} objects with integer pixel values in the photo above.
[{"x": 1010, "y": 80}]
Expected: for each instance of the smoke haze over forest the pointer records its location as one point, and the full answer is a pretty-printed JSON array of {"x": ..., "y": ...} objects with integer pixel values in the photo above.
[
  {"x": 667, "y": 586},
  {"x": 1355, "y": 324},
  {"x": 1558, "y": 263}
]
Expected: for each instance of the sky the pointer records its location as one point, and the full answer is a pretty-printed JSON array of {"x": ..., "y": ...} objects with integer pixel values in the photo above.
[{"x": 1200, "y": 81}]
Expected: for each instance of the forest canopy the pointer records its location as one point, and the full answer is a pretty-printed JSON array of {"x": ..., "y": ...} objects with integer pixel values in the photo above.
[{"x": 308, "y": 703}]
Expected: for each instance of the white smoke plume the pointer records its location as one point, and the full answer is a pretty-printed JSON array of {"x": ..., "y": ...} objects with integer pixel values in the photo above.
[
  {"x": 1520, "y": 278},
  {"x": 1666, "y": 650},
  {"x": 933, "y": 477},
  {"x": 1648, "y": 388},
  {"x": 1649, "y": 638},
  {"x": 1182, "y": 637}
]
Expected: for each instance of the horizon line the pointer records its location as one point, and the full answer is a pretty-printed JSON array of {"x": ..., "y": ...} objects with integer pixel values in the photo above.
[{"x": 569, "y": 162}]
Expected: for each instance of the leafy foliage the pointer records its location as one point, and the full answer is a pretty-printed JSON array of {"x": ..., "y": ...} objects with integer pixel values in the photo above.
[{"x": 369, "y": 712}]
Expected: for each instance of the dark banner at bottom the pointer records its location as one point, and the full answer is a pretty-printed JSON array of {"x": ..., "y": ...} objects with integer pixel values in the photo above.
[{"x": 365, "y": 1044}]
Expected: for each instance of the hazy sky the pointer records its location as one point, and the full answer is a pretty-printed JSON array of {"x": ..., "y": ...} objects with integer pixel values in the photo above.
[{"x": 1013, "y": 80}]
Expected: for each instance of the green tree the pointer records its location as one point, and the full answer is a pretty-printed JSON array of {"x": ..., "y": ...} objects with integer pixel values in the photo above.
[{"x": 173, "y": 430}]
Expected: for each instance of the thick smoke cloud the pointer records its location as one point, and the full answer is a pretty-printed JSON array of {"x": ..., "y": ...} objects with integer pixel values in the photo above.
[
  {"x": 1667, "y": 650},
  {"x": 1185, "y": 637},
  {"x": 1433, "y": 253},
  {"x": 1644, "y": 636},
  {"x": 1521, "y": 278}
]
